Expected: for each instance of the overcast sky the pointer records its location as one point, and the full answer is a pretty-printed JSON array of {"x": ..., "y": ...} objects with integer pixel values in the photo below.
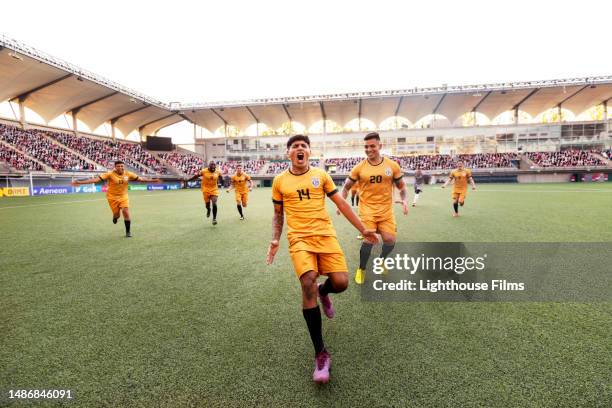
[{"x": 224, "y": 50}]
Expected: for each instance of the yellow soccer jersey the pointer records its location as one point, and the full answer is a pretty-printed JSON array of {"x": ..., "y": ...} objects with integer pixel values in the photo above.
[
  {"x": 117, "y": 184},
  {"x": 461, "y": 179},
  {"x": 376, "y": 186},
  {"x": 303, "y": 200},
  {"x": 240, "y": 183},
  {"x": 209, "y": 180}
]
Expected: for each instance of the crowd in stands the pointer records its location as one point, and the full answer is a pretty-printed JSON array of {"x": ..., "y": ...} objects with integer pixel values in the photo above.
[
  {"x": 566, "y": 158},
  {"x": 435, "y": 162},
  {"x": 343, "y": 165},
  {"x": 17, "y": 160},
  {"x": 248, "y": 166},
  {"x": 277, "y": 167},
  {"x": 38, "y": 144},
  {"x": 105, "y": 152},
  {"x": 137, "y": 152},
  {"x": 185, "y": 163},
  {"x": 189, "y": 164},
  {"x": 34, "y": 143}
]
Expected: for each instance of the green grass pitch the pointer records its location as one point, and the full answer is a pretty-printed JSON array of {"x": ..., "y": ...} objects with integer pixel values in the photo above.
[{"x": 187, "y": 314}]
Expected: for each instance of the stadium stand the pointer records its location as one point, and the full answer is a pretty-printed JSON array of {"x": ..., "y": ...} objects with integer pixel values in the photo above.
[
  {"x": 276, "y": 167},
  {"x": 34, "y": 143},
  {"x": 249, "y": 166},
  {"x": 437, "y": 162},
  {"x": 17, "y": 160},
  {"x": 566, "y": 158},
  {"x": 343, "y": 165},
  {"x": 104, "y": 152},
  {"x": 65, "y": 152},
  {"x": 187, "y": 164}
]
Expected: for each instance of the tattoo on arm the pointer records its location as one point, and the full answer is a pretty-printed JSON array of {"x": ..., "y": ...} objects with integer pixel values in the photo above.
[
  {"x": 277, "y": 222},
  {"x": 348, "y": 183},
  {"x": 401, "y": 185}
]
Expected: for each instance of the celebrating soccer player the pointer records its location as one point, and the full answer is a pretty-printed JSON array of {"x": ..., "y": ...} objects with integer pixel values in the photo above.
[
  {"x": 460, "y": 176},
  {"x": 117, "y": 191},
  {"x": 210, "y": 188},
  {"x": 299, "y": 193},
  {"x": 242, "y": 184},
  {"x": 376, "y": 176}
]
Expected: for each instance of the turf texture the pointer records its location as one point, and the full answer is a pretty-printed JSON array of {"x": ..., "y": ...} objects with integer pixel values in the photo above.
[{"x": 188, "y": 314}]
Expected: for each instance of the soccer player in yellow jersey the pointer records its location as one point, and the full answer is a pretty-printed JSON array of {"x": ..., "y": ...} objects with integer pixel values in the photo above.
[
  {"x": 299, "y": 194},
  {"x": 376, "y": 176},
  {"x": 461, "y": 176},
  {"x": 242, "y": 184},
  {"x": 210, "y": 188},
  {"x": 117, "y": 182}
]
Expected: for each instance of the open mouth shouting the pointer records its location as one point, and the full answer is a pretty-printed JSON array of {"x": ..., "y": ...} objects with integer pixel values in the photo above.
[{"x": 300, "y": 157}]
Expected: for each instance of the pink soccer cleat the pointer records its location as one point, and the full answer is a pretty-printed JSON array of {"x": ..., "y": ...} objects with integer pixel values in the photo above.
[
  {"x": 322, "y": 366},
  {"x": 328, "y": 307}
]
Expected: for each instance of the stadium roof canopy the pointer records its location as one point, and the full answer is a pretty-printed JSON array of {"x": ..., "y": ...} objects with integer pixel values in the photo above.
[
  {"x": 51, "y": 87},
  {"x": 576, "y": 95}
]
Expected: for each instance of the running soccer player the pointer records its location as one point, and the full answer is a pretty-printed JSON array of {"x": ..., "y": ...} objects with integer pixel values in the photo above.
[
  {"x": 461, "y": 176},
  {"x": 117, "y": 182},
  {"x": 299, "y": 193},
  {"x": 376, "y": 176},
  {"x": 419, "y": 180},
  {"x": 210, "y": 188},
  {"x": 242, "y": 184}
]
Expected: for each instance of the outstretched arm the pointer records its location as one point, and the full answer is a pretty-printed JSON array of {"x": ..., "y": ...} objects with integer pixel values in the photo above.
[
  {"x": 277, "y": 229},
  {"x": 148, "y": 180},
  {"x": 194, "y": 177},
  {"x": 250, "y": 184},
  {"x": 347, "y": 211},
  {"x": 87, "y": 181}
]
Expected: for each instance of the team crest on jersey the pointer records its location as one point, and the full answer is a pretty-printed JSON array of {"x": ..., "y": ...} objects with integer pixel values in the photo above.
[
  {"x": 388, "y": 172},
  {"x": 125, "y": 178},
  {"x": 316, "y": 182}
]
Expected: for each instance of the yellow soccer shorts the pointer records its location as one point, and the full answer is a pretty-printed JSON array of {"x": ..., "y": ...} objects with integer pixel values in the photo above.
[
  {"x": 384, "y": 223},
  {"x": 208, "y": 194},
  {"x": 459, "y": 195},
  {"x": 117, "y": 203},
  {"x": 242, "y": 198},
  {"x": 322, "y": 255}
]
